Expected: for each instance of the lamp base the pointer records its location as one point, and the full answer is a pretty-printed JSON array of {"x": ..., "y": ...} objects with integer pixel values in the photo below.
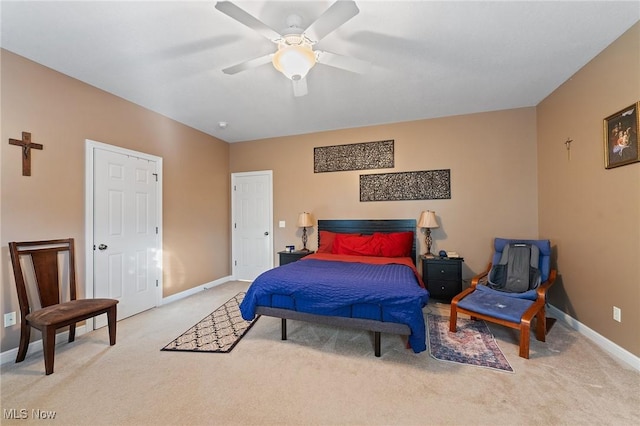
[
  {"x": 429, "y": 255},
  {"x": 304, "y": 239}
]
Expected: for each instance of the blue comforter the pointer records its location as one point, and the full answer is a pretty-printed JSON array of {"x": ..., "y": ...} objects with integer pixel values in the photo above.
[{"x": 388, "y": 293}]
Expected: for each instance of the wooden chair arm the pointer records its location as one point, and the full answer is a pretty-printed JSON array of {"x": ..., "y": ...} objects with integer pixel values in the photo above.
[
  {"x": 462, "y": 295},
  {"x": 542, "y": 289},
  {"x": 474, "y": 283},
  {"x": 541, "y": 299},
  {"x": 475, "y": 280}
]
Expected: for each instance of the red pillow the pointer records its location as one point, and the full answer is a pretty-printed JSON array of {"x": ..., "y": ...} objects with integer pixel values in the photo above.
[
  {"x": 394, "y": 244},
  {"x": 326, "y": 241},
  {"x": 356, "y": 245}
]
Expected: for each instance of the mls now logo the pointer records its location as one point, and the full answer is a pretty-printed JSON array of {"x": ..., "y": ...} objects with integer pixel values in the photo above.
[{"x": 23, "y": 414}]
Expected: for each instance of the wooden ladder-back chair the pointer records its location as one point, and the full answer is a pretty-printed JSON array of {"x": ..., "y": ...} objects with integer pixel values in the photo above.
[
  {"x": 53, "y": 313},
  {"x": 514, "y": 310}
]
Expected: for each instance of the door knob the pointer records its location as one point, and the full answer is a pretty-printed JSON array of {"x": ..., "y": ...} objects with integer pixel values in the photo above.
[
  {"x": 266, "y": 233},
  {"x": 102, "y": 247}
]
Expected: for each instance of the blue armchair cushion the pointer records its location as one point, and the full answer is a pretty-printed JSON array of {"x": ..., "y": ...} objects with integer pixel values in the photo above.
[
  {"x": 496, "y": 304},
  {"x": 529, "y": 294}
]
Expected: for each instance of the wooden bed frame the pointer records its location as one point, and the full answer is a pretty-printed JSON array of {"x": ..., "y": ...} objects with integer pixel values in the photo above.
[{"x": 351, "y": 226}]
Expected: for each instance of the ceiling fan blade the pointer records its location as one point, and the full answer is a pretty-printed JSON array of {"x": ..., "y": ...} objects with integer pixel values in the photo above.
[
  {"x": 245, "y": 18},
  {"x": 251, "y": 63},
  {"x": 300, "y": 87},
  {"x": 337, "y": 14},
  {"x": 343, "y": 62}
]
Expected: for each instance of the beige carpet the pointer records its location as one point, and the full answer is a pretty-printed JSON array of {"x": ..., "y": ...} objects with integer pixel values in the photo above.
[{"x": 321, "y": 375}]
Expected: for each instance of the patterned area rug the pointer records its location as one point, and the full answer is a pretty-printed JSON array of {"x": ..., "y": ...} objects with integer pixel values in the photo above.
[
  {"x": 219, "y": 331},
  {"x": 472, "y": 344}
]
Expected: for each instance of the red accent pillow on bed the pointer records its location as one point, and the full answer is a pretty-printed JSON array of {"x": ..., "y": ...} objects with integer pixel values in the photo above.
[
  {"x": 326, "y": 241},
  {"x": 355, "y": 245},
  {"x": 394, "y": 244}
]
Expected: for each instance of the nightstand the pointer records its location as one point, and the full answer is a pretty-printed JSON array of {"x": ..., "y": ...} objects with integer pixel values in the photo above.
[
  {"x": 292, "y": 256},
  {"x": 442, "y": 276}
]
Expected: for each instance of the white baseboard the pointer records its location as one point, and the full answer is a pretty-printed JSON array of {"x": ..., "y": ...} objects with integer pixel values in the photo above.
[
  {"x": 192, "y": 291},
  {"x": 36, "y": 346},
  {"x": 604, "y": 343}
]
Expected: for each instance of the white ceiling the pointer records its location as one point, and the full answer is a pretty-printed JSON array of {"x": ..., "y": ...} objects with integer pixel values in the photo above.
[{"x": 430, "y": 59}]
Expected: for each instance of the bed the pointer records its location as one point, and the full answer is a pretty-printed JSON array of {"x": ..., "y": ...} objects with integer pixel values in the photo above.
[{"x": 363, "y": 276}]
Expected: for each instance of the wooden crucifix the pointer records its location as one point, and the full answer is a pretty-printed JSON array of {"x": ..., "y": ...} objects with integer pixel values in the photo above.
[
  {"x": 567, "y": 143},
  {"x": 26, "y": 145}
]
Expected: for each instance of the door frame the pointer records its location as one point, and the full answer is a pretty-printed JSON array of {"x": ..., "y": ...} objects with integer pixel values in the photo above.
[
  {"x": 234, "y": 244},
  {"x": 90, "y": 147}
]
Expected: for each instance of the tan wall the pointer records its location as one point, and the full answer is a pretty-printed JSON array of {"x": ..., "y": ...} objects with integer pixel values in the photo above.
[
  {"x": 492, "y": 157},
  {"x": 591, "y": 213},
  {"x": 61, "y": 112}
]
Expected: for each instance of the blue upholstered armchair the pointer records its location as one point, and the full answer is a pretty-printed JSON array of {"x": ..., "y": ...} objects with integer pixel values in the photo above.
[{"x": 511, "y": 309}]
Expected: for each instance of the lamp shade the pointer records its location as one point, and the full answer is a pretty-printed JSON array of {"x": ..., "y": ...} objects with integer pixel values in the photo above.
[
  {"x": 294, "y": 61},
  {"x": 304, "y": 220},
  {"x": 428, "y": 220}
]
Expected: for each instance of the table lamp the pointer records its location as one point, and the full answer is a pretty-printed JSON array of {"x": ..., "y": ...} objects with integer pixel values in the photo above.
[
  {"x": 428, "y": 221},
  {"x": 304, "y": 220}
]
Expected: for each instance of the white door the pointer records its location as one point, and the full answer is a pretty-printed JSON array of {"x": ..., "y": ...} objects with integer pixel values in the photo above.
[
  {"x": 252, "y": 224},
  {"x": 126, "y": 242}
]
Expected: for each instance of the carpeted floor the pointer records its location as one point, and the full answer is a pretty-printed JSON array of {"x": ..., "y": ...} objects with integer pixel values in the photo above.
[{"x": 319, "y": 376}]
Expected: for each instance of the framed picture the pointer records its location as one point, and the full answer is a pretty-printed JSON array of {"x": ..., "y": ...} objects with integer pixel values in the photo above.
[{"x": 621, "y": 137}]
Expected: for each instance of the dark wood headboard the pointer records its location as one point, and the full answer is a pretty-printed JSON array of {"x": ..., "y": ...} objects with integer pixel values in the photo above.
[{"x": 367, "y": 226}]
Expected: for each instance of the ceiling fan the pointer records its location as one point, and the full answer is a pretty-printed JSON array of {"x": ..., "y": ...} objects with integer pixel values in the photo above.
[{"x": 295, "y": 55}]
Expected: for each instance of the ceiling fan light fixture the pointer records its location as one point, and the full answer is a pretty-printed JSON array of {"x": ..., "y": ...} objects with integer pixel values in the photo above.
[{"x": 294, "y": 61}]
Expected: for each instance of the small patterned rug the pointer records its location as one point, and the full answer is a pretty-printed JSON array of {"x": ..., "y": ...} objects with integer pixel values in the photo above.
[
  {"x": 219, "y": 331},
  {"x": 471, "y": 344}
]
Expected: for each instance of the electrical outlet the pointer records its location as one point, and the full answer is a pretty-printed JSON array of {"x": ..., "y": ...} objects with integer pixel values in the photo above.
[
  {"x": 617, "y": 314},
  {"x": 9, "y": 319}
]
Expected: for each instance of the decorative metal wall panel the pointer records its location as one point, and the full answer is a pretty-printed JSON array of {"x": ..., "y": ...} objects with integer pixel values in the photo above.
[
  {"x": 424, "y": 185},
  {"x": 357, "y": 156}
]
